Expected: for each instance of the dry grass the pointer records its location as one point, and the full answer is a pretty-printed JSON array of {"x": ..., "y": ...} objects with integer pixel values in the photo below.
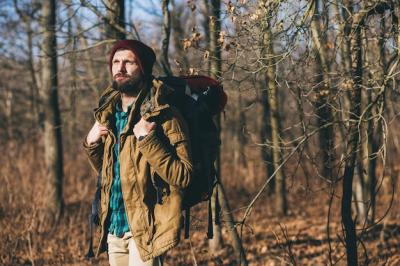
[{"x": 299, "y": 238}]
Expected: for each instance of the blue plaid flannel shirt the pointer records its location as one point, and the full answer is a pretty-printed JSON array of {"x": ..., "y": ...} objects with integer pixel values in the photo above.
[{"x": 118, "y": 221}]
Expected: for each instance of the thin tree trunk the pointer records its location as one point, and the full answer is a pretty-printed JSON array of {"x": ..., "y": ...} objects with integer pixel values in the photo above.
[
  {"x": 266, "y": 138},
  {"x": 270, "y": 77},
  {"x": 207, "y": 27},
  {"x": 27, "y": 16},
  {"x": 72, "y": 126},
  {"x": 238, "y": 138},
  {"x": 166, "y": 31},
  {"x": 324, "y": 92},
  {"x": 216, "y": 71},
  {"x": 52, "y": 123},
  {"x": 352, "y": 144},
  {"x": 384, "y": 234},
  {"x": 343, "y": 24},
  {"x": 242, "y": 140},
  {"x": 215, "y": 244},
  {"x": 34, "y": 84},
  {"x": 115, "y": 16},
  {"x": 93, "y": 77},
  {"x": 178, "y": 35},
  {"x": 237, "y": 242},
  {"x": 367, "y": 172}
]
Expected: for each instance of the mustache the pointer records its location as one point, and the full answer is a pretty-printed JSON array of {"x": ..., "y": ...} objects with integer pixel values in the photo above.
[{"x": 121, "y": 75}]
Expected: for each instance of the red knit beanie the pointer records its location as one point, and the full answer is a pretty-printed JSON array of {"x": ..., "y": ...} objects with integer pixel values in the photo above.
[{"x": 144, "y": 54}]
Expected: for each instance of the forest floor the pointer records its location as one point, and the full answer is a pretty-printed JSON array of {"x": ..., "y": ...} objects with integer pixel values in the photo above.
[{"x": 300, "y": 238}]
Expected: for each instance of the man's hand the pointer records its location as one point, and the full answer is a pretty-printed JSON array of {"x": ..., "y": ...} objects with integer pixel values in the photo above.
[
  {"x": 96, "y": 133},
  {"x": 142, "y": 128}
]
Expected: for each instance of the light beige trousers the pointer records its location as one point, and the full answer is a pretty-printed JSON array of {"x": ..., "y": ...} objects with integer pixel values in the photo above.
[{"x": 122, "y": 251}]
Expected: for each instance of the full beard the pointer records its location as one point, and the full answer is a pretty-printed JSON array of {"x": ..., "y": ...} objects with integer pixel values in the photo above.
[{"x": 131, "y": 86}]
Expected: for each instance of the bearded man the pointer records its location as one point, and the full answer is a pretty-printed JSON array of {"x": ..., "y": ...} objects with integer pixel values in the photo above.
[{"x": 139, "y": 144}]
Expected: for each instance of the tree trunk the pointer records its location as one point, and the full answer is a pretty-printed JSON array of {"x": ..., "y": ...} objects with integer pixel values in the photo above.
[
  {"x": 342, "y": 18},
  {"x": 166, "y": 31},
  {"x": 72, "y": 123},
  {"x": 207, "y": 27},
  {"x": 178, "y": 35},
  {"x": 324, "y": 92},
  {"x": 366, "y": 173},
  {"x": 266, "y": 138},
  {"x": 238, "y": 138},
  {"x": 26, "y": 16},
  {"x": 93, "y": 79},
  {"x": 215, "y": 244},
  {"x": 52, "y": 121},
  {"x": 384, "y": 234},
  {"x": 237, "y": 242},
  {"x": 34, "y": 83},
  {"x": 267, "y": 52},
  {"x": 352, "y": 144},
  {"x": 115, "y": 16}
]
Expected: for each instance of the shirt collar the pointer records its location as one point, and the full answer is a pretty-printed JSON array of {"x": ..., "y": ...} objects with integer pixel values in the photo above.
[{"x": 118, "y": 107}]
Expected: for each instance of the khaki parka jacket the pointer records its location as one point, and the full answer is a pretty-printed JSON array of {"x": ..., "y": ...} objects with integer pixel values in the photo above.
[{"x": 163, "y": 157}]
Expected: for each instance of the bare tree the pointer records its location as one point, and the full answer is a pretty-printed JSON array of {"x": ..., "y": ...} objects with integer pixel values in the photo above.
[
  {"x": 215, "y": 243},
  {"x": 354, "y": 39},
  {"x": 267, "y": 52},
  {"x": 115, "y": 22},
  {"x": 166, "y": 32},
  {"x": 324, "y": 89},
  {"x": 52, "y": 121},
  {"x": 178, "y": 35},
  {"x": 219, "y": 195}
]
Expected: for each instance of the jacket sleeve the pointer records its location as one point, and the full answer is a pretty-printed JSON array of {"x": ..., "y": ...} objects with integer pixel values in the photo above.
[
  {"x": 95, "y": 154},
  {"x": 171, "y": 161}
]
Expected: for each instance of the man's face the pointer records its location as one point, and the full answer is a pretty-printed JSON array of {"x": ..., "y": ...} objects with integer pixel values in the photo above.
[{"x": 126, "y": 71}]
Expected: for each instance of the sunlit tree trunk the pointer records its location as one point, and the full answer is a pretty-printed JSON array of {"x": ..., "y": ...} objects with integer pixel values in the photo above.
[
  {"x": 52, "y": 121},
  {"x": 324, "y": 91},
  {"x": 268, "y": 54},
  {"x": 367, "y": 162},
  {"x": 93, "y": 81}
]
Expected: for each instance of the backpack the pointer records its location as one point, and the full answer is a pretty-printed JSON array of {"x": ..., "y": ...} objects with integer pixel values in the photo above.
[{"x": 198, "y": 98}]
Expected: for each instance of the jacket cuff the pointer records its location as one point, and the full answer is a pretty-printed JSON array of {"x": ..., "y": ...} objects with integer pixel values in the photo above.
[{"x": 92, "y": 146}]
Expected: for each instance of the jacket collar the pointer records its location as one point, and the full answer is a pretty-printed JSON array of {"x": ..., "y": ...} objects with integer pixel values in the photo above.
[{"x": 150, "y": 101}]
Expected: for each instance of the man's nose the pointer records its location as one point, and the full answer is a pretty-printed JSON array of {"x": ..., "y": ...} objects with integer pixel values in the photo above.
[{"x": 121, "y": 68}]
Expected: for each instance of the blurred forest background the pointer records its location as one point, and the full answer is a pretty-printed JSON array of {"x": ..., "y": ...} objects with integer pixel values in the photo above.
[{"x": 309, "y": 163}]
